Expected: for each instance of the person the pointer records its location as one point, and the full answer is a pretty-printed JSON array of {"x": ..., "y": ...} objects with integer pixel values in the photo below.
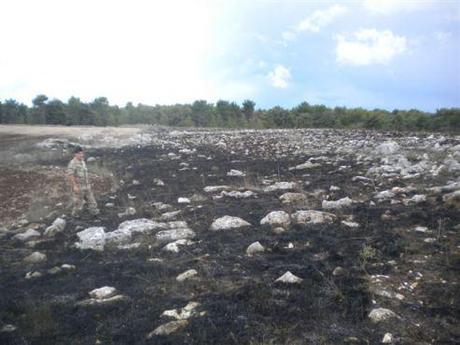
[{"x": 77, "y": 176}]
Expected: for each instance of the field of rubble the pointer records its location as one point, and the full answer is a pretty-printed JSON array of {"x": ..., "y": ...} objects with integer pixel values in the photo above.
[{"x": 232, "y": 237}]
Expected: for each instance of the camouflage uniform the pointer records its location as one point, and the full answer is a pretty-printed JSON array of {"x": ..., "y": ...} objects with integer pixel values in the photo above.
[{"x": 77, "y": 168}]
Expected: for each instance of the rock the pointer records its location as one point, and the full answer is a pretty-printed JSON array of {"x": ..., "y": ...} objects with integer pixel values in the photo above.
[
  {"x": 183, "y": 201},
  {"x": 334, "y": 188},
  {"x": 239, "y": 195},
  {"x": 255, "y": 248},
  {"x": 276, "y": 218},
  {"x": 279, "y": 230},
  {"x": 186, "y": 275},
  {"x": 312, "y": 217},
  {"x": 452, "y": 199},
  {"x": 228, "y": 223},
  {"x": 174, "y": 246},
  {"x": 350, "y": 224},
  {"x": 387, "y": 148},
  {"x": 67, "y": 267},
  {"x": 341, "y": 203},
  {"x": 170, "y": 215},
  {"x": 54, "y": 270},
  {"x": 33, "y": 275},
  {"x": 289, "y": 278},
  {"x": 385, "y": 195},
  {"x": 215, "y": 189},
  {"x": 416, "y": 199},
  {"x": 91, "y": 159},
  {"x": 8, "y": 328},
  {"x": 289, "y": 198},
  {"x": 339, "y": 271},
  {"x": 130, "y": 211},
  {"x": 103, "y": 292},
  {"x": 381, "y": 314},
  {"x": 168, "y": 328},
  {"x": 57, "y": 226},
  {"x": 92, "y": 238},
  {"x": 25, "y": 236},
  {"x": 387, "y": 338},
  {"x": 183, "y": 313},
  {"x": 158, "y": 182},
  {"x": 280, "y": 186},
  {"x": 238, "y": 173},
  {"x": 304, "y": 166},
  {"x": 104, "y": 301},
  {"x": 174, "y": 235},
  {"x": 35, "y": 258}
]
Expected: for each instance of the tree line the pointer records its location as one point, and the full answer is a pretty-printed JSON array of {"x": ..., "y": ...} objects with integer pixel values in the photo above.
[{"x": 223, "y": 114}]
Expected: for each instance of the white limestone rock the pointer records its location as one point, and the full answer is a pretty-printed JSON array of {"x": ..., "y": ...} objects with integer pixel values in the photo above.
[
  {"x": 216, "y": 189},
  {"x": 305, "y": 166},
  {"x": 238, "y": 194},
  {"x": 92, "y": 238},
  {"x": 168, "y": 328},
  {"x": 57, "y": 226},
  {"x": 387, "y": 148},
  {"x": 237, "y": 173},
  {"x": 276, "y": 218},
  {"x": 183, "y": 200},
  {"x": 313, "y": 217},
  {"x": 280, "y": 186},
  {"x": 35, "y": 258},
  {"x": 174, "y": 247},
  {"x": 255, "y": 248},
  {"x": 228, "y": 223},
  {"x": 387, "y": 338},
  {"x": 290, "y": 198},
  {"x": 289, "y": 278},
  {"x": 381, "y": 314},
  {"x": 29, "y": 234},
  {"x": 186, "y": 275},
  {"x": 183, "y": 313},
  {"x": 353, "y": 225},
  {"x": 103, "y": 292},
  {"x": 175, "y": 234},
  {"x": 170, "y": 215},
  {"x": 341, "y": 203}
]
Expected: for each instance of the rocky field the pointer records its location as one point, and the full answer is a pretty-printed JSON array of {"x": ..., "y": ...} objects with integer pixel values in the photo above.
[{"x": 232, "y": 237}]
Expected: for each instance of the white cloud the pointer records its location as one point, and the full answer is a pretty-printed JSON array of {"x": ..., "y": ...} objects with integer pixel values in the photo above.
[
  {"x": 279, "y": 77},
  {"x": 394, "y": 6},
  {"x": 370, "y": 46},
  {"x": 443, "y": 37},
  {"x": 288, "y": 36},
  {"x": 320, "y": 18}
]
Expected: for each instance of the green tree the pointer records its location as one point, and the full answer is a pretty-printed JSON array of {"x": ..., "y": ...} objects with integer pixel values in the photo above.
[
  {"x": 39, "y": 110},
  {"x": 248, "y": 109}
]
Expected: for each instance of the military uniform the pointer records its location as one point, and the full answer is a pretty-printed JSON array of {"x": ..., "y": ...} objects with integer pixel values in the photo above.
[{"x": 77, "y": 169}]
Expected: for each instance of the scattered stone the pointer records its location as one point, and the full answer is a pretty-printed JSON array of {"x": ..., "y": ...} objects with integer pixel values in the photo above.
[
  {"x": 381, "y": 314},
  {"x": 228, "y": 223},
  {"x": 387, "y": 338},
  {"x": 103, "y": 292},
  {"x": 304, "y": 166},
  {"x": 183, "y": 200},
  {"x": 312, "y": 217},
  {"x": 255, "y": 248},
  {"x": 387, "y": 148},
  {"x": 339, "y": 271},
  {"x": 186, "y": 275},
  {"x": 385, "y": 195},
  {"x": 158, "y": 182},
  {"x": 183, "y": 313},
  {"x": 334, "y": 188},
  {"x": 341, "y": 203},
  {"x": 33, "y": 275},
  {"x": 92, "y": 238},
  {"x": 175, "y": 234},
  {"x": 276, "y": 218},
  {"x": 239, "y": 195},
  {"x": 67, "y": 267},
  {"x": 238, "y": 173},
  {"x": 130, "y": 211},
  {"x": 8, "y": 328},
  {"x": 57, "y": 226},
  {"x": 290, "y": 198},
  {"x": 35, "y": 258},
  {"x": 216, "y": 189},
  {"x": 279, "y": 230},
  {"x": 350, "y": 224},
  {"x": 54, "y": 270},
  {"x": 168, "y": 328},
  {"x": 170, "y": 215},
  {"x": 174, "y": 246},
  {"x": 429, "y": 240},
  {"x": 289, "y": 278},
  {"x": 25, "y": 236},
  {"x": 280, "y": 186}
]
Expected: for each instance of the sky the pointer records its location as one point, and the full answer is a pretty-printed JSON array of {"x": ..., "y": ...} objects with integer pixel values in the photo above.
[{"x": 388, "y": 54}]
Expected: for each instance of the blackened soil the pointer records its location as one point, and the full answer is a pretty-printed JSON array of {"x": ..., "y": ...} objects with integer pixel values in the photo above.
[{"x": 243, "y": 304}]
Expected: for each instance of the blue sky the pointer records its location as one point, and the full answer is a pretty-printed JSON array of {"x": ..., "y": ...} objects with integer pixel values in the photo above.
[{"x": 372, "y": 53}]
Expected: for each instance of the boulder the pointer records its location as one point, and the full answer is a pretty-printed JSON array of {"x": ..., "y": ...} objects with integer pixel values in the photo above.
[
  {"x": 312, "y": 217},
  {"x": 92, "y": 238},
  {"x": 280, "y": 186},
  {"x": 234, "y": 172},
  {"x": 175, "y": 234},
  {"x": 228, "y": 223},
  {"x": 341, "y": 203},
  {"x": 215, "y": 189},
  {"x": 174, "y": 246},
  {"x": 289, "y": 278},
  {"x": 103, "y": 292},
  {"x": 387, "y": 148},
  {"x": 168, "y": 328},
  {"x": 381, "y": 314},
  {"x": 276, "y": 218},
  {"x": 182, "y": 313},
  {"x": 186, "y": 275},
  {"x": 290, "y": 198},
  {"x": 255, "y": 248},
  {"x": 387, "y": 338},
  {"x": 35, "y": 258},
  {"x": 57, "y": 226},
  {"x": 239, "y": 195},
  {"x": 183, "y": 200},
  {"x": 25, "y": 236},
  {"x": 170, "y": 215},
  {"x": 304, "y": 166}
]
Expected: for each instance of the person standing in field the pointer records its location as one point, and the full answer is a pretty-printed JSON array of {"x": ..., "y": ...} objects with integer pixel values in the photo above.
[{"x": 77, "y": 176}]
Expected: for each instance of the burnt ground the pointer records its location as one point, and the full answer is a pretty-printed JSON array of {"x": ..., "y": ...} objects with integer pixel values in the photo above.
[{"x": 243, "y": 304}]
